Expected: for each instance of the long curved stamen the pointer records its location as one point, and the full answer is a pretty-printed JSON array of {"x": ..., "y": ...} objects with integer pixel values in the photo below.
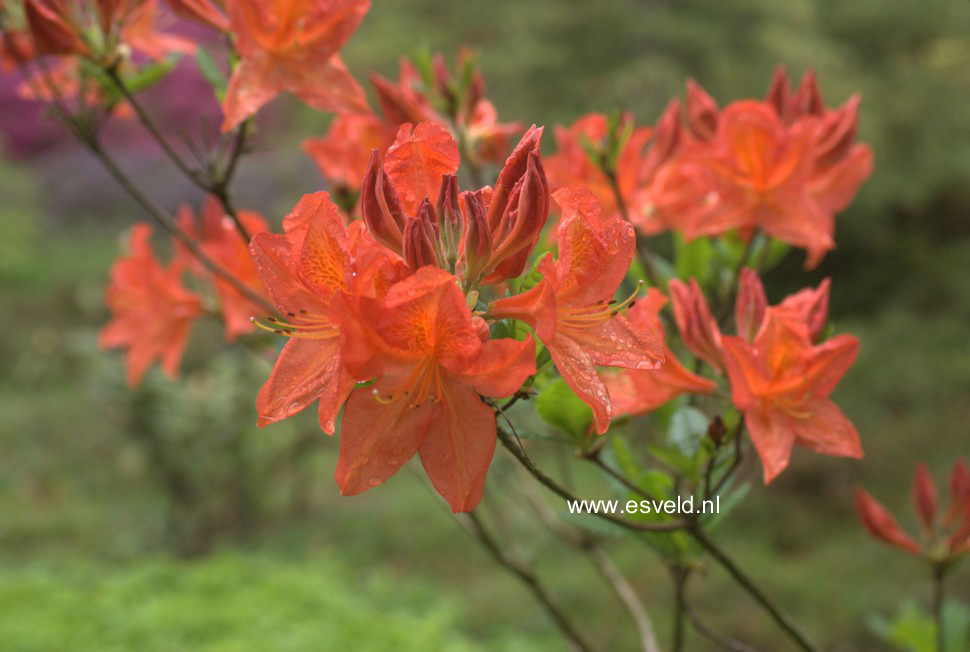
[
  {"x": 304, "y": 325},
  {"x": 596, "y": 313}
]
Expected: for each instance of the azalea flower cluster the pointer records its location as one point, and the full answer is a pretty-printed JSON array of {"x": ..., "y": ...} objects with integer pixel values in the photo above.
[
  {"x": 780, "y": 369},
  {"x": 944, "y": 536},
  {"x": 154, "y": 310},
  {"x": 398, "y": 304},
  {"x": 784, "y": 165}
]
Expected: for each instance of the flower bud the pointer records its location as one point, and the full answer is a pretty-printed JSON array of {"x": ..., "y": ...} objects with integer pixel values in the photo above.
[
  {"x": 716, "y": 430},
  {"x": 531, "y": 200},
  {"x": 701, "y": 112},
  {"x": 881, "y": 523},
  {"x": 380, "y": 206},
  {"x": 697, "y": 326},
  {"x": 779, "y": 95},
  {"x": 420, "y": 245},
  {"x": 749, "y": 308},
  {"x": 450, "y": 222},
  {"x": 959, "y": 493},
  {"x": 478, "y": 239},
  {"x": 512, "y": 172},
  {"x": 924, "y": 497}
]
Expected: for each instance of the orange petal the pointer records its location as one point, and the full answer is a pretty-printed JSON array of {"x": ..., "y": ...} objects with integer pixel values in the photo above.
[
  {"x": 578, "y": 369},
  {"x": 459, "y": 447},
  {"x": 535, "y": 307},
  {"x": 827, "y": 430},
  {"x": 306, "y": 370},
  {"x": 502, "y": 367},
  {"x": 417, "y": 160},
  {"x": 378, "y": 436},
  {"x": 773, "y": 438}
]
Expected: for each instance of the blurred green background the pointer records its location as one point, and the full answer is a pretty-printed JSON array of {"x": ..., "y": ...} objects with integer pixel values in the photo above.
[{"x": 163, "y": 520}]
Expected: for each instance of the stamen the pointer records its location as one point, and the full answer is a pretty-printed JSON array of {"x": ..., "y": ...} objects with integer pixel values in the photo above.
[{"x": 589, "y": 315}]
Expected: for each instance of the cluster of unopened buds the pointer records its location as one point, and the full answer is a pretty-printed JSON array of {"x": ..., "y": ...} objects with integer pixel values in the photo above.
[
  {"x": 944, "y": 535},
  {"x": 396, "y": 298}
]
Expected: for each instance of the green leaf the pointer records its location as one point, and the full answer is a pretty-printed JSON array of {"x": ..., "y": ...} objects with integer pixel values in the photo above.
[
  {"x": 151, "y": 74},
  {"x": 561, "y": 408},
  {"x": 693, "y": 259},
  {"x": 211, "y": 72},
  {"x": 625, "y": 460}
]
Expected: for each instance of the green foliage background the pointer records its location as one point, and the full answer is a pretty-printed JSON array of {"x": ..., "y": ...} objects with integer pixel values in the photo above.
[{"x": 86, "y": 515}]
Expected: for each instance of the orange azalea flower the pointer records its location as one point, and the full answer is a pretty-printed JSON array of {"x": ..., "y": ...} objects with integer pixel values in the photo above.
[
  {"x": 572, "y": 309},
  {"x": 291, "y": 45},
  {"x": 432, "y": 362},
  {"x": 222, "y": 242},
  {"x": 415, "y": 99},
  {"x": 342, "y": 154},
  {"x": 571, "y": 165},
  {"x": 152, "y": 311},
  {"x": 807, "y": 307},
  {"x": 841, "y": 165},
  {"x": 314, "y": 260},
  {"x": 757, "y": 173},
  {"x": 781, "y": 382},
  {"x": 637, "y": 391}
]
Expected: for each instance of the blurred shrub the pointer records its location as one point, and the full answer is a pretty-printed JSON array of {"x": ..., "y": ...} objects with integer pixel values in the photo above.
[{"x": 227, "y": 603}]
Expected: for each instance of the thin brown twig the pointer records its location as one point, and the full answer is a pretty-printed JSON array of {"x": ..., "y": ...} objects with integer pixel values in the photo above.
[
  {"x": 588, "y": 544},
  {"x": 725, "y": 642},
  {"x": 594, "y": 457},
  {"x": 215, "y": 186},
  {"x": 166, "y": 222},
  {"x": 781, "y": 619},
  {"x": 519, "y": 453},
  {"x": 476, "y": 528}
]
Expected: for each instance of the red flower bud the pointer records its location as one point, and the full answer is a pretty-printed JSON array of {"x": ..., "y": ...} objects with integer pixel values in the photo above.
[
  {"x": 749, "y": 308},
  {"x": 380, "y": 206},
  {"x": 959, "y": 493},
  {"x": 881, "y": 523},
  {"x": 478, "y": 239},
  {"x": 701, "y": 112},
  {"x": 515, "y": 168},
  {"x": 420, "y": 246},
  {"x": 450, "y": 221},
  {"x": 779, "y": 95},
  {"x": 924, "y": 497},
  {"x": 523, "y": 224}
]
